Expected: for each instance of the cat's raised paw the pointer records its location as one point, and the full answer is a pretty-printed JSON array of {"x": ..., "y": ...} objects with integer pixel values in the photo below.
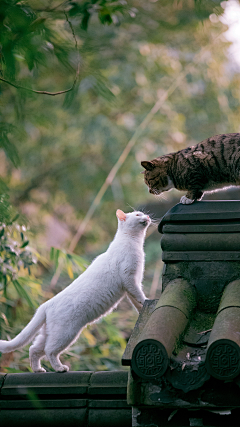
[
  {"x": 63, "y": 368},
  {"x": 186, "y": 201}
]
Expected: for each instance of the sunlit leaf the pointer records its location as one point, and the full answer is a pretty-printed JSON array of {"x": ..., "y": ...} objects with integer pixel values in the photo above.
[
  {"x": 91, "y": 339},
  {"x": 69, "y": 270}
]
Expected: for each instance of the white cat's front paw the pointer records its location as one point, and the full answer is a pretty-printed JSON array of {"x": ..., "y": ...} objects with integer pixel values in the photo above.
[
  {"x": 186, "y": 201},
  {"x": 39, "y": 370},
  {"x": 63, "y": 368}
]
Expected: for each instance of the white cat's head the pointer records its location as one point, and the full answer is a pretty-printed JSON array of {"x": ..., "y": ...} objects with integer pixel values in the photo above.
[{"x": 134, "y": 221}]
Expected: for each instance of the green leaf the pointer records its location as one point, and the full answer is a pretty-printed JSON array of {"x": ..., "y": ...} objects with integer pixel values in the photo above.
[
  {"x": 15, "y": 218},
  {"x": 12, "y": 370},
  {"x": 10, "y": 149},
  {"x": 56, "y": 257},
  {"x": 3, "y": 187},
  {"x": 105, "y": 17},
  {"x": 79, "y": 261},
  {"x": 5, "y": 286},
  {"x": 52, "y": 254},
  {"x": 24, "y": 244},
  {"x": 85, "y": 20},
  {"x": 23, "y": 294},
  {"x": 70, "y": 96}
]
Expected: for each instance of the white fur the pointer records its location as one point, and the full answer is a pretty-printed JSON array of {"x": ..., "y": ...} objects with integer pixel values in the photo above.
[
  {"x": 186, "y": 201},
  {"x": 111, "y": 276}
]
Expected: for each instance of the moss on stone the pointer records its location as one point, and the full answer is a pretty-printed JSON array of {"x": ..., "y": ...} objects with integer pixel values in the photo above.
[{"x": 202, "y": 321}]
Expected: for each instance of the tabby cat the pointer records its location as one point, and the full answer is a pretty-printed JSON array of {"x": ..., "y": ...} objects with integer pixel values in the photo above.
[{"x": 210, "y": 165}]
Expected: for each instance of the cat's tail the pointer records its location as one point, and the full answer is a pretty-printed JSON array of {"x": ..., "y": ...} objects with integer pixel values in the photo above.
[{"x": 27, "y": 334}]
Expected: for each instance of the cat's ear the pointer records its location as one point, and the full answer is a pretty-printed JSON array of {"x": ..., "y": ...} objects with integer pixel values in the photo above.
[
  {"x": 149, "y": 166},
  {"x": 121, "y": 215}
]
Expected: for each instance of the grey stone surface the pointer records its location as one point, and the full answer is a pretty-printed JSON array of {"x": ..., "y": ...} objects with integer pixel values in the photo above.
[
  {"x": 93, "y": 399},
  {"x": 208, "y": 277}
]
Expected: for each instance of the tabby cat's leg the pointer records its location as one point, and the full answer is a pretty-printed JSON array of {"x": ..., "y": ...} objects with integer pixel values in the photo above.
[
  {"x": 191, "y": 197},
  {"x": 36, "y": 351}
]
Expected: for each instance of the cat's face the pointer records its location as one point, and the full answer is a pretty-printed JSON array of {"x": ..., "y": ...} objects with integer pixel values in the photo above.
[
  {"x": 156, "y": 176},
  {"x": 134, "y": 221}
]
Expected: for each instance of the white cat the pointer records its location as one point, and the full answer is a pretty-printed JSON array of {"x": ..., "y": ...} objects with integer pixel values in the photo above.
[{"x": 111, "y": 276}]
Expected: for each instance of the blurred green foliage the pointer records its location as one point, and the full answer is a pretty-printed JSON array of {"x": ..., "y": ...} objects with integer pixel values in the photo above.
[
  {"x": 15, "y": 254},
  {"x": 56, "y": 151}
]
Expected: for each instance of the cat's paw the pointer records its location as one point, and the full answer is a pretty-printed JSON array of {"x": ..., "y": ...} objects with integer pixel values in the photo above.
[
  {"x": 39, "y": 370},
  {"x": 186, "y": 201},
  {"x": 63, "y": 368}
]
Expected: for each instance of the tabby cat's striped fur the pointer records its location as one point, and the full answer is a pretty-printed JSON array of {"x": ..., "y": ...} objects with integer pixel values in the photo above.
[{"x": 210, "y": 165}]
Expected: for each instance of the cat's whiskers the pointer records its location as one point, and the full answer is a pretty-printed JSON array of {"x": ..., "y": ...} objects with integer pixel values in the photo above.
[
  {"x": 155, "y": 225},
  {"x": 159, "y": 196},
  {"x": 154, "y": 221},
  {"x": 163, "y": 196}
]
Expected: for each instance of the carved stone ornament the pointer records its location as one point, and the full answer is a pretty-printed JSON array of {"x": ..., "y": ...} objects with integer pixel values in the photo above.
[
  {"x": 223, "y": 360},
  {"x": 150, "y": 359}
]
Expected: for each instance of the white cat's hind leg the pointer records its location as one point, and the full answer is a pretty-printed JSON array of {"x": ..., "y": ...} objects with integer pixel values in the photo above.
[
  {"x": 53, "y": 354},
  {"x": 57, "y": 341},
  {"x": 63, "y": 328},
  {"x": 56, "y": 363},
  {"x": 36, "y": 351}
]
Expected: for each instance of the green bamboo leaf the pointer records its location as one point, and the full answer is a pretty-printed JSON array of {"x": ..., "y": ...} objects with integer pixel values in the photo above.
[
  {"x": 15, "y": 218},
  {"x": 56, "y": 257},
  {"x": 22, "y": 293},
  {"x": 5, "y": 286},
  {"x": 3, "y": 187},
  {"x": 70, "y": 96},
  {"x": 10, "y": 149},
  {"x": 24, "y": 244},
  {"x": 52, "y": 254},
  {"x": 80, "y": 262}
]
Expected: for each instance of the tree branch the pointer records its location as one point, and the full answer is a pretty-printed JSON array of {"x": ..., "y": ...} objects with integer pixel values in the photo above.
[{"x": 42, "y": 92}]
